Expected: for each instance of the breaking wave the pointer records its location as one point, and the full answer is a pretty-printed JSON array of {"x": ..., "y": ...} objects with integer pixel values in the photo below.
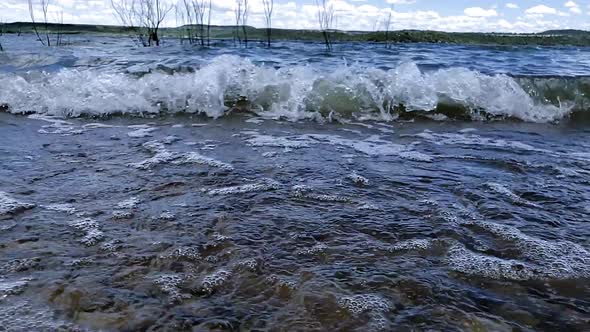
[{"x": 295, "y": 92}]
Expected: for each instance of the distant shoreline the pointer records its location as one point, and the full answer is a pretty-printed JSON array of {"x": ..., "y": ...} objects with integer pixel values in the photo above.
[{"x": 547, "y": 38}]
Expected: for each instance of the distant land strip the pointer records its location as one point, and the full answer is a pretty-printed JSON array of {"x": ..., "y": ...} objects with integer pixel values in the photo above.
[{"x": 546, "y": 38}]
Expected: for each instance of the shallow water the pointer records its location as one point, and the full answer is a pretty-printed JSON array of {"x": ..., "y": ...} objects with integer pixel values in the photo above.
[{"x": 286, "y": 221}]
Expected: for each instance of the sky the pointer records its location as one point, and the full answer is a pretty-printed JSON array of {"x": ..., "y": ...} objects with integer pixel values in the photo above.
[{"x": 443, "y": 15}]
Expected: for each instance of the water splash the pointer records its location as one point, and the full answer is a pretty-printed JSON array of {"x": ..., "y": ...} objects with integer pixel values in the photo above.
[{"x": 292, "y": 92}]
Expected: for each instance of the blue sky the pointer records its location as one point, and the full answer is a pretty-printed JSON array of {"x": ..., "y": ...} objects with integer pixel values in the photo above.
[{"x": 451, "y": 15}]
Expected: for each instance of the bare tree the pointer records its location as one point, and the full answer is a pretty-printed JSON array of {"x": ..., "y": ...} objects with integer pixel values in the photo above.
[
  {"x": 326, "y": 19},
  {"x": 151, "y": 14},
  {"x": 127, "y": 16},
  {"x": 209, "y": 25},
  {"x": 32, "y": 14},
  {"x": 238, "y": 16},
  {"x": 268, "y": 9},
  {"x": 45, "y": 9},
  {"x": 46, "y": 40},
  {"x": 60, "y": 20},
  {"x": 245, "y": 22},
  {"x": 197, "y": 20},
  {"x": 201, "y": 7},
  {"x": 1, "y": 33},
  {"x": 142, "y": 15},
  {"x": 188, "y": 19},
  {"x": 180, "y": 19},
  {"x": 388, "y": 27}
]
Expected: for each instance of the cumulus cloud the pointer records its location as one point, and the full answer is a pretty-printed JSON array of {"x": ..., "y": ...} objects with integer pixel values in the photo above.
[
  {"x": 480, "y": 12},
  {"x": 573, "y": 7},
  {"x": 512, "y": 5},
  {"x": 350, "y": 15},
  {"x": 541, "y": 10}
]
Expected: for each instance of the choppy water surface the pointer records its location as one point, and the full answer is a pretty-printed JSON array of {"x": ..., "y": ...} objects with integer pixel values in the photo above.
[{"x": 423, "y": 188}]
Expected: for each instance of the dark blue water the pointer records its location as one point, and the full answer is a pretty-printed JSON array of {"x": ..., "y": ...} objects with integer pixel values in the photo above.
[{"x": 423, "y": 188}]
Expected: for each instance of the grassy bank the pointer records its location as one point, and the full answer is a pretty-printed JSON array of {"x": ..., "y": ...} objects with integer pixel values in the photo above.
[{"x": 554, "y": 37}]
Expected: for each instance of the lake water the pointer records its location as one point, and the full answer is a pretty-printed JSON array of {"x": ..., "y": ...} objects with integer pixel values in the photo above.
[{"x": 421, "y": 188}]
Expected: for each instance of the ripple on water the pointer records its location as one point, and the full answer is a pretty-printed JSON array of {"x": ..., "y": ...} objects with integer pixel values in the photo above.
[
  {"x": 12, "y": 287},
  {"x": 372, "y": 146},
  {"x": 20, "y": 265},
  {"x": 20, "y": 315},
  {"x": 266, "y": 185},
  {"x": 9, "y": 205},
  {"x": 535, "y": 259},
  {"x": 163, "y": 156},
  {"x": 502, "y": 190}
]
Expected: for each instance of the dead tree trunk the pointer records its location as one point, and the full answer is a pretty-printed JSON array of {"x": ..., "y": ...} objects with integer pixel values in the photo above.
[
  {"x": 387, "y": 27},
  {"x": 268, "y": 9},
  {"x": 238, "y": 16},
  {"x": 326, "y": 19},
  {"x": 245, "y": 22}
]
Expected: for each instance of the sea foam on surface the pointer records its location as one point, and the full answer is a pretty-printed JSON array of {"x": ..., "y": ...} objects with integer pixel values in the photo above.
[
  {"x": 9, "y": 205},
  {"x": 293, "y": 92}
]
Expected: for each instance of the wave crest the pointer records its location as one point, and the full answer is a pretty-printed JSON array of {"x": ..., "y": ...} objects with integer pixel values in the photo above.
[{"x": 296, "y": 92}]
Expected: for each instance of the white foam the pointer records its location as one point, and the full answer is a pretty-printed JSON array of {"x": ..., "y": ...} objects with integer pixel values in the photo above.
[
  {"x": 141, "y": 132},
  {"x": 168, "y": 284},
  {"x": 196, "y": 158},
  {"x": 12, "y": 287},
  {"x": 372, "y": 146},
  {"x": 293, "y": 92},
  {"x": 91, "y": 229},
  {"x": 167, "y": 215},
  {"x": 213, "y": 281},
  {"x": 536, "y": 258},
  {"x": 66, "y": 208},
  {"x": 183, "y": 253},
  {"x": 277, "y": 141},
  {"x": 130, "y": 203},
  {"x": 246, "y": 188},
  {"x": 250, "y": 264},
  {"x": 9, "y": 205},
  {"x": 19, "y": 265},
  {"x": 470, "y": 263},
  {"x": 373, "y": 305},
  {"x": 358, "y": 304},
  {"x": 358, "y": 179},
  {"x": 57, "y": 126},
  {"x": 502, "y": 190},
  {"x": 464, "y": 138},
  {"x": 96, "y": 125},
  {"x": 318, "y": 248},
  {"x": 163, "y": 156},
  {"x": 415, "y": 244}
]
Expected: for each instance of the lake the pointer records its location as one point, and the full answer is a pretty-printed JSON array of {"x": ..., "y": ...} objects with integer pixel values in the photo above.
[{"x": 419, "y": 188}]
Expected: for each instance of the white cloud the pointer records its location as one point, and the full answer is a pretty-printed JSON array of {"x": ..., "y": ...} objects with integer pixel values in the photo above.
[
  {"x": 401, "y": 2},
  {"x": 480, "y": 12},
  {"x": 512, "y": 5},
  {"x": 350, "y": 15},
  {"x": 541, "y": 10},
  {"x": 573, "y": 7}
]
